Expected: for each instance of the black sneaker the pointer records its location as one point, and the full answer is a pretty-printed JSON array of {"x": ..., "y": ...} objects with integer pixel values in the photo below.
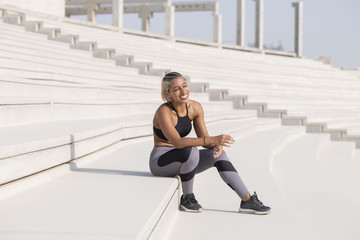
[
  {"x": 188, "y": 203},
  {"x": 254, "y": 206}
]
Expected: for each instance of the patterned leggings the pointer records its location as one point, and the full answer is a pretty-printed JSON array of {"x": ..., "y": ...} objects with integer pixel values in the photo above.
[{"x": 186, "y": 162}]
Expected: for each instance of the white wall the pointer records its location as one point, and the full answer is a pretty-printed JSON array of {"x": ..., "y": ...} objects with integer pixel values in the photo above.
[{"x": 52, "y": 7}]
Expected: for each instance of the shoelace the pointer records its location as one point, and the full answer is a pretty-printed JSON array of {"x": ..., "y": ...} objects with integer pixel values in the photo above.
[
  {"x": 191, "y": 200},
  {"x": 256, "y": 199}
]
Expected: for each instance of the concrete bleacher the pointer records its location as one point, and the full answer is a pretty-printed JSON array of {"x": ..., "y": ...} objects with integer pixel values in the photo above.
[
  {"x": 76, "y": 137},
  {"x": 263, "y": 78},
  {"x": 60, "y": 88},
  {"x": 302, "y": 189}
]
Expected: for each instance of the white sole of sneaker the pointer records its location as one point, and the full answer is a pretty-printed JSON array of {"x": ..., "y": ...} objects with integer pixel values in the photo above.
[
  {"x": 250, "y": 211},
  {"x": 184, "y": 209}
]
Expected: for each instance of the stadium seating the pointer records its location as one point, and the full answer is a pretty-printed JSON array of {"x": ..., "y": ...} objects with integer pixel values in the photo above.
[
  {"x": 77, "y": 102},
  {"x": 240, "y": 72}
]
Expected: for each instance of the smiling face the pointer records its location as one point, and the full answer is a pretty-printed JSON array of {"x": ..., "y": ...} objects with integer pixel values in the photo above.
[{"x": 179, "y": 91}]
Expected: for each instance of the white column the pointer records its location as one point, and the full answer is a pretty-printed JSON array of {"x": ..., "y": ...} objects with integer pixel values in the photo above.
[
  {"x": 117, "y": 13},
  {"x": 259, "y": 24},
  {"x": 240, "y": 23},
  {"x": 169, "y": 18},
  {"x": 217, "y": 25},
  {"x": 298, "y": 28},
  {"x": 91, "y": 8},
  {"x": 145, "y": 16}
]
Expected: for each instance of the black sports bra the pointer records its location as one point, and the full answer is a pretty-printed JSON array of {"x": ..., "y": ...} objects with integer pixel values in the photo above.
[{"x": 183, "y": 126}]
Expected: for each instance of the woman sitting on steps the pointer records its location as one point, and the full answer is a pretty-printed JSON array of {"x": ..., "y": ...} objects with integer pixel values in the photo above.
[{"x": 175, "y": 154}]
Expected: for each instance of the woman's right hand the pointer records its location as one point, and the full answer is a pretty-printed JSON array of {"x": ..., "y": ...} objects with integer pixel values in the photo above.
[{"x": 224, "y": 140}]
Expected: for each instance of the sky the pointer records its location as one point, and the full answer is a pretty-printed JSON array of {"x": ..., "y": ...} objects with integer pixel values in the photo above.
[{"x": 331, "y": 28}]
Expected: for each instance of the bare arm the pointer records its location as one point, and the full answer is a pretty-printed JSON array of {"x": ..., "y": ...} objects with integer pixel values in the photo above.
[
  {"x": 200, "y": 127},
  {"x": 217, "y": 143}
]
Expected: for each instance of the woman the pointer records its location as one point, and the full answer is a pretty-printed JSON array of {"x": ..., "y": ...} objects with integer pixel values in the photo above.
[{"x": 175, "y": 154}]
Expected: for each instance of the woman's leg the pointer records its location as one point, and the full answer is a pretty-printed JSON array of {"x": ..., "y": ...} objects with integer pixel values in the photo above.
[
  {"x": 169, "y": 162},
  {"x": 225, "y": 168}
]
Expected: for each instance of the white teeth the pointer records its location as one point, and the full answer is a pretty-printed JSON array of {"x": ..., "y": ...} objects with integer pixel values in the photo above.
[{"x": 184, "y": 96}]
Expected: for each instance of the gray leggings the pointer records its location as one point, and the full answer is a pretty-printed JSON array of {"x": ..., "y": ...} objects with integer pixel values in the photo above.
[{"x": 186, "y": 162}]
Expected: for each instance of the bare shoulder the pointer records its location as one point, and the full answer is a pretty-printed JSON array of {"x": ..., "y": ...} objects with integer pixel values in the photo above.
[
  {"x": 163, "y": 112},
  {"x": 195, "y": 109},
  {"x": 195, "y": 105},
  {"x": 163, "y": 109}
]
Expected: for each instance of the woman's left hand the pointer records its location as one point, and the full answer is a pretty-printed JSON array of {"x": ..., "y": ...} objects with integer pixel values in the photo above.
[{"x": 218, "y": 150}]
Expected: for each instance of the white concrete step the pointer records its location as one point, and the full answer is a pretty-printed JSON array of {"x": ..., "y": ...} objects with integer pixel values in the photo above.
[
  {"x": 116, "y": 178},
  {"x": 53, "y": 89},
  {"x": 25, "y": 150},
  {"x": 63, "y": 57},
  {"x": 22, "y": 134},
  {"x": 22, "y": 111},
  {"x": 27, "y": 133},
  {"x": 9, "y": 64},
  {"x": 340, "y": 120},
  {"x": 315, "y": 190},
  {"x": 27, "y": 110},
  {"x": 18, "y": 32},
  {"x": 260, "y": 83},
  {"x": 23, "y": 46},
  {"x": 33, "y": 153},
  {"x": 111, "y": 196},
  {"x": 341, "y": 162},
  {"x": 123, "y": 80}
]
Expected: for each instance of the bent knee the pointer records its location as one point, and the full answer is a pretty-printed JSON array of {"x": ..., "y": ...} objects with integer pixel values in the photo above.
[{"x": 224, "y": 166}]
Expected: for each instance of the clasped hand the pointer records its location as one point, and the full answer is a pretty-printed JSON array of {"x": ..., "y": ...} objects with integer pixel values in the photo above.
[{"x": 222, "y": 140}]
